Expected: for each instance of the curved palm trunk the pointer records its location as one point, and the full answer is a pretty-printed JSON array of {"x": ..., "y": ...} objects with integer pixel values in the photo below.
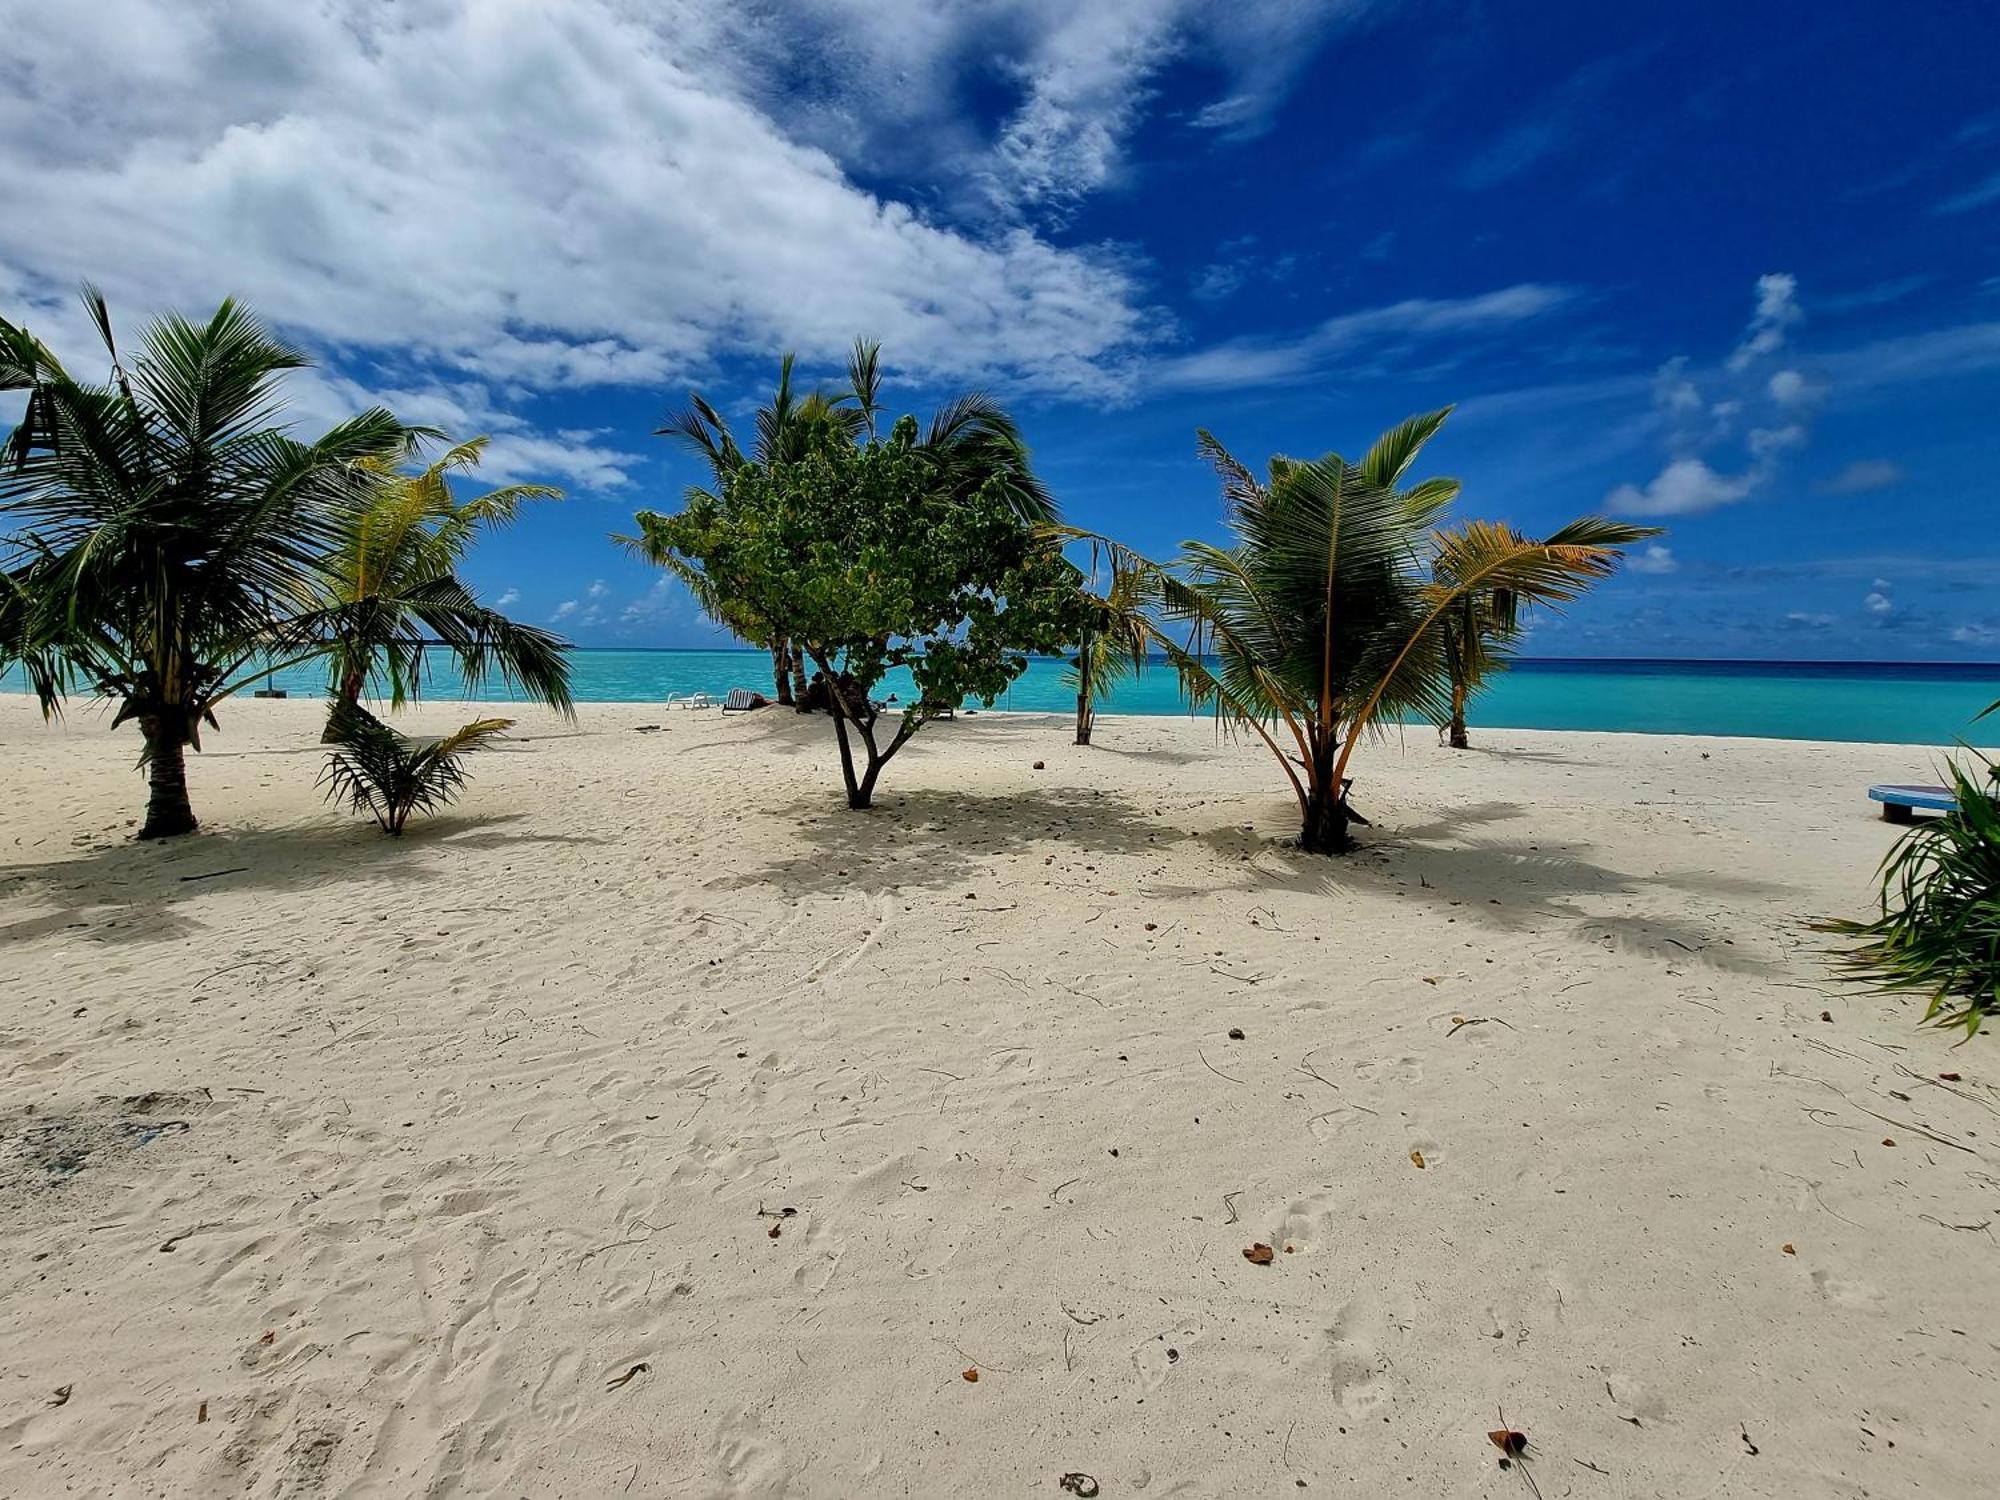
[
  {"x": 348, "y": 695},
  {"x": 1457, "y": 727},
  {"x": 1326, "y": 813},
  {"x": 168, "y": 811}
]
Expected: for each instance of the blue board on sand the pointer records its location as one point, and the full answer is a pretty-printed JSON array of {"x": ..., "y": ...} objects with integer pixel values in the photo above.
[{"x": 1898, "y": 801}]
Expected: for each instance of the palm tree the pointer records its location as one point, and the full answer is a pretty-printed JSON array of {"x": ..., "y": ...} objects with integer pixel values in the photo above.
[
  {"x": 168, "y": 528},
  {"x": 1117, "y": 634},
  {"x": 973, "y": 438},
  {"x": 1328, "y": 611},
  {"x": 392, "y": 590},
  {"x": 1481, "y": 631},
  {"x": 383, "y": 773}
]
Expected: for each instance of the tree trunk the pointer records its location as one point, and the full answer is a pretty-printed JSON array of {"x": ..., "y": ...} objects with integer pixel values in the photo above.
[
  {"x": 1086, "y": 716},
  {"x": 798, "y": 698},
  {"x": 781, "y": 671},
  {"x": 1457, "y": 730},
  {"x": 168, "y": 811},
  {"x": 1325, "y": 828},
  {"x": 349, "y": 695}
]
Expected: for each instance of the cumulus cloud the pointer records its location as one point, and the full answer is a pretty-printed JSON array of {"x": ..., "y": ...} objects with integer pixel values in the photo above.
[
  {"x": 1686, "y": 486},
  {"x": 1727, "y": 429},
  {"x": 565, "y": 609},
  {"x": 508, "y": 598},
  {"x": 1878, "y": 604},
  {"x": 1777, "y": 310},
  {"x": 1864, "y": 475},
  {"x": 1655, "y": 559},
  {"x": 1801, "y": 619},
  {"x": 522, "y": 193}
]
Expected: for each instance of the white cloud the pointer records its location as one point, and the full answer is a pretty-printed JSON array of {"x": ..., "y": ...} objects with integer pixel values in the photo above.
[
  {"x": 521, "y": 192},
  {"x": 1686, "y": 486},
  {"x": 508, "y": 598},
  {"x": 1976, "y": 633},
  {"x": 1264, "y": 361},
  {"x": 1655, "y": 559},
  {"x": 597, "y": 590},
  {"x": 1976, "y": 196},
  {"x": 1777, "y": 310},
  {"x": 1788, "y": 388},
  {"x": 565, "y": 609},
  {"x": 1808, "y": 619},
  {"x": 1863, "y": 475},
  {"x": 1881, "y": 584},
  {"x": 1878, "y": 604},
  {"x": 1769, "y": 442}
]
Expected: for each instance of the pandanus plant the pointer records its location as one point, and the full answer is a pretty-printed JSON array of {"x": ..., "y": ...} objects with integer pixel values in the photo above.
[{"x": 1326, "y": 616}]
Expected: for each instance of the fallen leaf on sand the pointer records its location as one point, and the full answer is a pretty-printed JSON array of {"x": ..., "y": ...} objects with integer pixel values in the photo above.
[
  {"x": 1507, "y": 1440},
  {"x": 772, "y": 1231},
  {"x": 617, "y": 1380},
  {"x": 1418, "y": 1158},
  {"x": 201, "y": 1413},
  {"x": 1258, "y": 1254},
  {"x": 61, "y": 1397},
  {"x": 1888, "y": 1140},
  {"x": 1788, "y": 1248},
  {"x": 971, "y": 1374},
  {"x": 1949, "y": 1077},
  {"x": 1432, "y": 978}
]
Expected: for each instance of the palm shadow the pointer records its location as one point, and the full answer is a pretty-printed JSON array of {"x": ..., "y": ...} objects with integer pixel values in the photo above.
[{"x": 123, "y": 890}]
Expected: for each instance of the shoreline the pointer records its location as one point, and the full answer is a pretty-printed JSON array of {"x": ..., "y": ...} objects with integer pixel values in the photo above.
[{"x": 398, "y": 1158}]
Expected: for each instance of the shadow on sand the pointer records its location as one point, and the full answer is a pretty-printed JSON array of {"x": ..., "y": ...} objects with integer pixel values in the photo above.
[{"x": 122, "y": 890}]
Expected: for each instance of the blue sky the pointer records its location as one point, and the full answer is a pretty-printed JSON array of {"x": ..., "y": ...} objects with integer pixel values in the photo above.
[{"x": 1732, "y": 268}]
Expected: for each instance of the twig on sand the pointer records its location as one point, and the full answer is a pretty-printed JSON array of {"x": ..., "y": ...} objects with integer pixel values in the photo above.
[
  {"x": 1061, "y": 1185},
  {"x": 212, "y": 874},
  {"x": 1213, "y": 1068},
  {"x": 1306, "y": 1067},
  {"x": 231, "y": 969},
  {"x": 618, "y": 1380},
  {"x": 1229, "y": 1202}
]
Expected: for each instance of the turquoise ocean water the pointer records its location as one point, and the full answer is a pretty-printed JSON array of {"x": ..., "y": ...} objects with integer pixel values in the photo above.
[{"x": 1916, "y": 703}]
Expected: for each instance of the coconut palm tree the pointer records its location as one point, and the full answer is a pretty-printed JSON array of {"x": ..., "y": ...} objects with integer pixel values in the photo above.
[
  {"x": 392, "y": 590},
  {"x": 1480, "y": 633},
  {"x": 1327, "y": 613},
  {"x": 972, "y": 438},
  {"x": 165, "y": 528},
  {"x": 1117, "y": 634}
]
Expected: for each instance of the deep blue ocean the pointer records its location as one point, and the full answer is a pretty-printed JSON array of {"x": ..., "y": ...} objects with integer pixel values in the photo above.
[{"x": 1910, "y": 703}]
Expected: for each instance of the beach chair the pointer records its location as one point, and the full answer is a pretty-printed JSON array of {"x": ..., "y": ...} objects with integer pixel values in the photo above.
[
  {"x": 742, "y": 700},
  {"x": 690, "y": 700},
  {"x": 1899, "y": 802}
]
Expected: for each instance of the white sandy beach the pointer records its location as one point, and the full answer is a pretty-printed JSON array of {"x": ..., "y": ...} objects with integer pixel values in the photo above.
[{"x": 336, "y": 1164}]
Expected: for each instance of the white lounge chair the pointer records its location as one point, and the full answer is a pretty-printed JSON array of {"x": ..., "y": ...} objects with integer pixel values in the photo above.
[{"x": 690, "y": 700}]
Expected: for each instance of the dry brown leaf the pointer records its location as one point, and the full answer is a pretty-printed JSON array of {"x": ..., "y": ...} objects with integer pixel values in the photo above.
[
  {"x": 1507, "y": 1440},
  {"x": 1949, "y": 1077},
  {"x": 971, "y": 1374},
  {"x": 1418, "y": 1158},
  {"x": 1788, "y": 1248},
  {"x": 1888, "y": 1140},
  {"x": 1259, "y": 1254}
]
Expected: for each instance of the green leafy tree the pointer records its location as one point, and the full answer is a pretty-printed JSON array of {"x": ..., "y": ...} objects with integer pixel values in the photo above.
[
  {"x": 875, "y": 558},
  {"x": 165, "y": 531},
  {"x": 971, "y": 441},
  {"x": 1327, "y": 613},
  {"x": 392, "y": 590}
]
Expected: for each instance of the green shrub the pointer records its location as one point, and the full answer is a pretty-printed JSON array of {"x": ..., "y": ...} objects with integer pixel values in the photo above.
[{"x": 1939, "y": 932}]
